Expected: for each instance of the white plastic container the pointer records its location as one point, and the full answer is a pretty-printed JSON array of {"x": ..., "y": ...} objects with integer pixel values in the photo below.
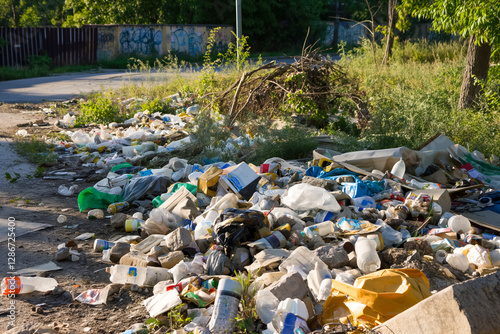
[
  {"x": 202, "y": 229},
  {"x": 315, "y": 279},
  {"x": 142, "y": 276},
  {"x": 100, "y": 245},
  {"x": 323, "y": 229},
  {"x": 302, "y": 260},
  {"x": 20, "y": 285},
  {"x": 366, "y": 253},
  {"x": 266, "y": 304},
  {"x": 226, "y": 306},
  {"x": 399, "y": 169},
  {"x": 459, "y": 224},
  {"x": 458, "y": 261},
  {"x": 295, "y": 306}
]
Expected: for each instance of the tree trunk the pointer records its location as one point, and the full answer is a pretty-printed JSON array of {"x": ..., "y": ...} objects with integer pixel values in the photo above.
[
  {"x": 477, "y": 64},
  {"x": 335, "y": 41},
  {"x": 393, "y": 18}
]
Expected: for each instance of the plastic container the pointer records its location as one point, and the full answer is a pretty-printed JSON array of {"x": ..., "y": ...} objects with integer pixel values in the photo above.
[
  {"x": 298, "y": 309},
  {"x": 202, "y": 229},
  {"x": 95, "y": 214},
  {"x": 323, "y": 229},
  {"x": 142, "y": 276},
  {"x": 19, "y": 285},
  {"x": 399, "y": 169},
  {"x": 315, "y": 279},
  {"x": 378, "y": 238},
  {"x": 302, "y": 260},
  {"x": 100, "y": 245},
  {"x": 266, "y": 304},
  {"x": 117, "y": 207},
  {"x": 131, "y": 225},
  {"x": 424, "y": 185},
  {"x": 458, "y": 261},
  {"x": 440, "y": 255},
  {"x": 459, "y": 224},
  {"x": 61, "y": 219},
  {"x": 366, "y": 254},
  {"x": 322, "y": 216},
  {"x": 275, "y": 240},
  {"x": 226, "y": 306}
]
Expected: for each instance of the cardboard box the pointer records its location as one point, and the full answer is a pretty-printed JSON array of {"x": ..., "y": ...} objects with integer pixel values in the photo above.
[
  {"x": 242, "y": 180},
  {"x": 207, "y": 182}
]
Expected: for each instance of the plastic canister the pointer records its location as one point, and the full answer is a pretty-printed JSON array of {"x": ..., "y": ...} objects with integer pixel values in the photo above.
[
  {"x": 226, "y": 306},
  {"x": 266, "y": 304},
  {"x": 459, "y": 224},
  {"x": 316, "y": 277},
  {"x": 323, "y": 229},
  {"x": 275, "y": 240},
  {"x": 100, "y": 245},
  {"x": 298, "y": 309},
  {"x": 131, "y": 225},
  {"x": 367, "y": 257},
  {"x": 399, "y": 169},
  {"x": 364, "y": 202},
  {"x": 458, "y": 261}
]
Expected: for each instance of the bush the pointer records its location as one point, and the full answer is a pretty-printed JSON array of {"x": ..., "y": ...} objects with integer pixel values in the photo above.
[{"x": 99, "y": 109}]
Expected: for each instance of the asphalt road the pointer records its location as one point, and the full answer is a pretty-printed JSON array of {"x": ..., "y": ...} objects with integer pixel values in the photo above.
[{"x": 66, "y": 86}]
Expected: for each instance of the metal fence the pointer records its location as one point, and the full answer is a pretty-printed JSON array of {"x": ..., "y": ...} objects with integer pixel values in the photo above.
[{"x": 66, "y": 46}]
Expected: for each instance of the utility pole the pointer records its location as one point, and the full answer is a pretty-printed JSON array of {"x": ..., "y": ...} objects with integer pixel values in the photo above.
[{"x": 238, "y": 30}]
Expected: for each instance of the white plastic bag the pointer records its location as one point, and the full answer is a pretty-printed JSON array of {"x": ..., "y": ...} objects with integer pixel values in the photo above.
[{"x": 305, "y": 196}]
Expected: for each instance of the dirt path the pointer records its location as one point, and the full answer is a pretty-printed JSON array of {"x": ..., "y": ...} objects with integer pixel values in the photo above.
[{"x": 35, "y": 200}]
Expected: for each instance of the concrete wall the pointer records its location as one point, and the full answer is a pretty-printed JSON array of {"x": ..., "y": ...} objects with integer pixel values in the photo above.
[
  {"x": 114, "y": 40},
  {"x": 349, "y": 32}
]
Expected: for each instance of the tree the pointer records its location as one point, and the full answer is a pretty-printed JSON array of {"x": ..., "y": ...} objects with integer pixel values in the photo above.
[
  {"x": 393, "y": 17},
  {"x": 476, "y": 20}
]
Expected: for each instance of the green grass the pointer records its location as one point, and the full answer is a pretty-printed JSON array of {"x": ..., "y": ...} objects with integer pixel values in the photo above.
[{"x": 36, "y": 150}]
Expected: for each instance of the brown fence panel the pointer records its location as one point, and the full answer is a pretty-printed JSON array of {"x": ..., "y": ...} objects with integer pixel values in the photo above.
[{"x": 66, "y": 46}]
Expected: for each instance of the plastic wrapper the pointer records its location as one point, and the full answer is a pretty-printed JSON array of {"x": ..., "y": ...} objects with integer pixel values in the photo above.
[{"x": 305, "y": 197}]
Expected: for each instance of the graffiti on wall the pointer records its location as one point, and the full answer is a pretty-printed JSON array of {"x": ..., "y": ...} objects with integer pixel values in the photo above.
[
  {"x": 183, "y": 41},
  {"x": 105, "y": 37},
  {"x": 140, "y": 40}
]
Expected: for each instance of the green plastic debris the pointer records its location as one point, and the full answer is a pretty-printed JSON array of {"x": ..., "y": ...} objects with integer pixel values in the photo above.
[
  {"x": 157, "y": 201},
  {"x": 93, "y": 198},
  {"x": 191, "y": 187},
  {"x": 120, "y": 166}
]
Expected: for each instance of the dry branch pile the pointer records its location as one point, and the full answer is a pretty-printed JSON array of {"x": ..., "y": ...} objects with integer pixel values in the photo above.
[{"x": 312, "y": 84}]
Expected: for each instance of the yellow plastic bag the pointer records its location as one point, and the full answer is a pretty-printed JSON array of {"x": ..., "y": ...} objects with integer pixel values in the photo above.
[{"x": 379, "y": 296}]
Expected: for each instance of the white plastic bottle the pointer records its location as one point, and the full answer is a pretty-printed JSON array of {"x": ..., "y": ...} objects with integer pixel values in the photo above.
[
  {"x": 226, "y": 306},
  {"x": 142, "y": 276},
  {"x": 20, "y": 284},
  {"x": 323, "y": 229},
  {"x": 315, "y": 279},
  {"x": 399, "y": 169},
  {"x": 459, "y": 224},
  {"x": 266, "y": 304},
  {"x": 366, "y": 253}
]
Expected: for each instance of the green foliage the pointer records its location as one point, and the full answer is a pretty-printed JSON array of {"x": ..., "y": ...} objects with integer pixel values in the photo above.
[
  {"x": 247, "y": 314},
  {"x": 99, "y": 109},
  {"x": 158, "y": 105},
  {"x": 36, "y": 150},
  {"x": 287, "y": 143},
  {"x": 41, "y": 62},
  {"x": 11, "y": 178}
]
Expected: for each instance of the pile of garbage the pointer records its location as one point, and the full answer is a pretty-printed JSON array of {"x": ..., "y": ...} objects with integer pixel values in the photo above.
[{"x": 344, "y": 240}]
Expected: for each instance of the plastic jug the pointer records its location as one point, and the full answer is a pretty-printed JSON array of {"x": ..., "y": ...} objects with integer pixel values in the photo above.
[
  {"x": 458, "y": 261},
  {"x": 295, "y": 307},
  {"x": 366, "y": 253},
  {"x": 459, "y": 224},
  {"x": 142, "y": 276},
  {"x": 315, "y": 279},
  {"x": 266, "y": 304}
]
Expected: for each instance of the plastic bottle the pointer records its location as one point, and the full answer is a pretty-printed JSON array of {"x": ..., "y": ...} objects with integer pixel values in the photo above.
[
  {"x": 424, "y": 185},
  {"x": 61, "y": 219},
  {"x": 20, "y": 284},
  {"x": 323, "y": 215},
  {"x": 132, "y": 225},
  {"x": 277, "y": 239},
  {"x": 399, "y": 169},
  {"x": 323, "y": 229},
  {"x": 367, "y": 257},
  {"x": 100, "y": 245},
  {"x": 226, "y": 306},
  {"x": 364, "y": 202},
  {"x": 285, "y": 323},
  {"x": 117, "y": 207},
  {"x": 266, "y": 304},
  {"x": 142, "y": 276},
  {"x": 459, "y": 224}
]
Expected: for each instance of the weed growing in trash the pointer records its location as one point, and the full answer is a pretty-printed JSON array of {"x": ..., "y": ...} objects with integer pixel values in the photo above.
[
  {"x": 36, "y": 150},
  {"x": 173, "y": 319},
  {"x": 247, "y": 314},
  {"x": 100, "y": 108}
]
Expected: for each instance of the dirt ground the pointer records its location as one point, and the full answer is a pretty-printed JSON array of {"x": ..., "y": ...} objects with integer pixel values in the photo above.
[{"x": 36, "y": 200}]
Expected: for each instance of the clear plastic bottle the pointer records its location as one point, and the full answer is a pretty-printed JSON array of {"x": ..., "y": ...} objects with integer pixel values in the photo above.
[
  {"x": 117, "y": 207},
  {"x": 142, "y": 276},
  {"x": 226, "y": 306},
  {"x": 322, "y": 229},
  {"x": 366, "y": 253},
  {"x": 399, "y": 169},
  {"x": 20, "y": 285}
]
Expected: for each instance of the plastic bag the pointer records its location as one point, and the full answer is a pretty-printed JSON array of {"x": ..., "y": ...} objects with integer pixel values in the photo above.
[
  {"x": 138, "y": 187},
  {"x": 305, "y": 196},
  {"x": 379, "y": 296},
  {"x": 92, "y": 198},
  {"x": 234, "y": 226},
  {"x": 390, "y": 236}
]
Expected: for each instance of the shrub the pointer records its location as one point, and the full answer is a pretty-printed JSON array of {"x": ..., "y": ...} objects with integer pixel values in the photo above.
[{"x": 99, "y": 109}]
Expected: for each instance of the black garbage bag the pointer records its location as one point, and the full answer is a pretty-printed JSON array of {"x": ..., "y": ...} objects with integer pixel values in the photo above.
[{"x": 234, "y": 227}]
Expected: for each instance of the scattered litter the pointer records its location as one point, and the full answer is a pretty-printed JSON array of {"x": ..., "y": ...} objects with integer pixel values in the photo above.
[{"x": 85, "y": 236}]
